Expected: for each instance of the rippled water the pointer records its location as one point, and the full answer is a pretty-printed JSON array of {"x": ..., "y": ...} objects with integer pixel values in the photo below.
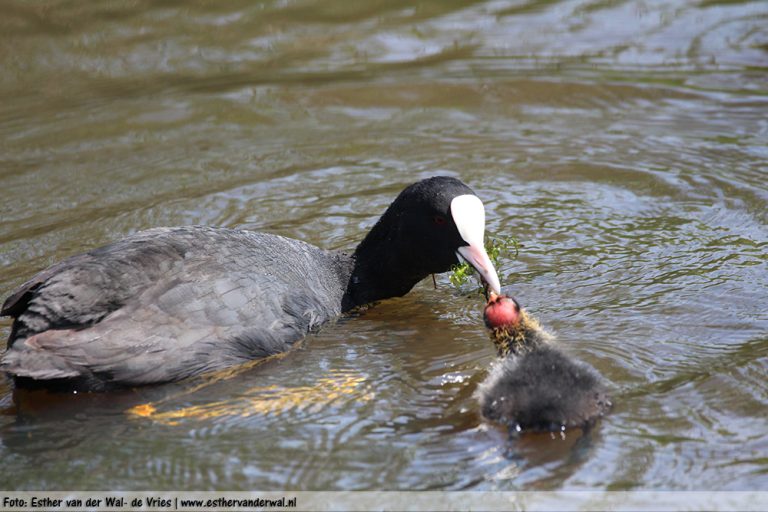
[{"x": 623, "y": 143}]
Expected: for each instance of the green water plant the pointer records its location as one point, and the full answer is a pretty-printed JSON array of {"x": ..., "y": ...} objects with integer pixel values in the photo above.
[{"x": 498, "y": 248}]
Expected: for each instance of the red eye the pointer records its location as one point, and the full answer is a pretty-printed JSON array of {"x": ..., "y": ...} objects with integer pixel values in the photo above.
[{"x": 439, "y": 220}]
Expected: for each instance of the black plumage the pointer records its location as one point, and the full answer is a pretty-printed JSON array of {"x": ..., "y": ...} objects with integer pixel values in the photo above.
[
  {"x": 542, "y": 390},
  {"x": 168, "y": 303}
]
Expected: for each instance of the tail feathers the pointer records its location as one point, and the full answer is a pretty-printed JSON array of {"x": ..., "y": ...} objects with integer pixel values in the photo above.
[{"x": 23, "y": 360}]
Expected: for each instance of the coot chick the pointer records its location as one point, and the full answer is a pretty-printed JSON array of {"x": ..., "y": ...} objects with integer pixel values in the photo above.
[
  {"x": 533, "y": 386},
  {"x": 169, "y": 303}
]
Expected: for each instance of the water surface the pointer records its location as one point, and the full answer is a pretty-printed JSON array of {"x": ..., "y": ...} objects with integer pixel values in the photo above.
[{"x": 623, "y": 143}]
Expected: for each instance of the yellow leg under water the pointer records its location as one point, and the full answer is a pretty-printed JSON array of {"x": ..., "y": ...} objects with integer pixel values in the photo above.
[{"x": 271, "y": 399}]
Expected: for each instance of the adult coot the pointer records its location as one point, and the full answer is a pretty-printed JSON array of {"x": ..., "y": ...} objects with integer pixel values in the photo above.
[
  {"x": 168, "y": 303},
  {"x": 534, "y": 386}
]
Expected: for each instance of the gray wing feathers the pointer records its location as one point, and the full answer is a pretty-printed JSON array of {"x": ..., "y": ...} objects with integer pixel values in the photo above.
[{"x": 169, "y": 303}]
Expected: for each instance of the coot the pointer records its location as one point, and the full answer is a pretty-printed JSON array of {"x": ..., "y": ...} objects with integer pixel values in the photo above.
[
  {"x": 533, "y": 386},
  {"x": 169, "y": 303}
]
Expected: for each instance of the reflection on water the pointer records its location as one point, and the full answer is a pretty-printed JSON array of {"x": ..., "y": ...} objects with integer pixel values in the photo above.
[
  {"x": 262, "y": 400},
  {"x": 623, "y": 143}
]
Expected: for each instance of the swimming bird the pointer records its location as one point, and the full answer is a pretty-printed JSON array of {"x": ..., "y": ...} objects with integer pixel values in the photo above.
[
  {"x": 168, "y": 303},
  {"x": 533, "y": 385}
]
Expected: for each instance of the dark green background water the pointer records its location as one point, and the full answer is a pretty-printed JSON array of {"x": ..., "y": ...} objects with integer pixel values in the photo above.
[{"x": 624, "y": 143}]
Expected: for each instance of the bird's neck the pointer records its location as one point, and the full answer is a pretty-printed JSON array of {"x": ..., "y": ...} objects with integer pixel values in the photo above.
[
  {"x": 380, "y": 269},
  {"x": 527, "y": 335}
]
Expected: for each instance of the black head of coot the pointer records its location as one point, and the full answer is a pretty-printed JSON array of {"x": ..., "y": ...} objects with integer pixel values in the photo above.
[{"x": 424, "y": 231}]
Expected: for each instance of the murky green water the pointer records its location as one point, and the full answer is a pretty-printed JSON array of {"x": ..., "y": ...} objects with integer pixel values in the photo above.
[{"x": 624, "y": 143}]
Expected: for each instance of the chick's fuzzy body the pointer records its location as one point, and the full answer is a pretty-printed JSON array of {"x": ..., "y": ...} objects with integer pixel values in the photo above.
[
  {"x": 533, "y": 385},
  {"x": 542, "y": 390}
]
